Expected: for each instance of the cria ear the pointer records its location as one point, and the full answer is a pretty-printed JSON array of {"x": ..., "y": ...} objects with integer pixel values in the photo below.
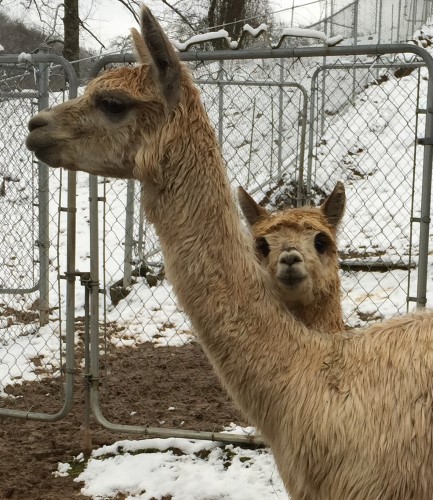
[
  {"x": 334, "y": 205},
  {"x": 154, "y": 47},
  {"x": 252, "y": 212}
]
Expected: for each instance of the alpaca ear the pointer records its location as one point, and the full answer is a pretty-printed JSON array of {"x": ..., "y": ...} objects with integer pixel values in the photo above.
[
  {"x": 334, "y": 205},
  {"x": 154, "y": 48},
  {"x": 252, "y": 212},
  {"x": 142, "y": 53}
]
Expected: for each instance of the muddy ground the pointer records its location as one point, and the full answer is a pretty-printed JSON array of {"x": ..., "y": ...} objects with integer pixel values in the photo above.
[{"x": 160, "y": 387}]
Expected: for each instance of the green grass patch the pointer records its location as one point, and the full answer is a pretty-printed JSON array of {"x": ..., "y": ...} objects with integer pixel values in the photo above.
[{"x": 76, "y": 468}]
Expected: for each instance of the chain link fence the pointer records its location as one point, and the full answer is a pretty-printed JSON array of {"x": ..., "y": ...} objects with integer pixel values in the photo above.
[
  {"x": 375, "y": 21},
  {"x": 33, "y": 237},
  {"x": 380, "y": 160},
  {"x": 291, "y": 123},
  {"x": 290, "y": 128}
]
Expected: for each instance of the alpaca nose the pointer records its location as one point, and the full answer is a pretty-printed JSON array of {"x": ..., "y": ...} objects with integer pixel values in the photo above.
[
  {"x": 290, "y": 257},
  {"x": 37, "y": 121}
]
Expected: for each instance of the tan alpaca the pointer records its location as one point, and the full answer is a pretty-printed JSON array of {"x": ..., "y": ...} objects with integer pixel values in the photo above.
[
  {"x": 298, "y": 248},
  {"x": 347, "y": 416}
]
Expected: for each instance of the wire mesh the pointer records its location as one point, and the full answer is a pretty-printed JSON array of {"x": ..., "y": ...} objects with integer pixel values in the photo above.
[
  {"x": 30, "y": 349},
  {"x": 289, "y": 129},
  {"x": 380, "y": 162},
  {"x": 361, "y": 128},
  {"x": 374, "y": 21}
]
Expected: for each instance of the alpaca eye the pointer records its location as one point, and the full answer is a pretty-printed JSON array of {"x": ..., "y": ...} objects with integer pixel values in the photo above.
[
  {"x": 112, "y": 106},
  {"x": 321, "y": 242},
  {"x": 262, "y": 246}
]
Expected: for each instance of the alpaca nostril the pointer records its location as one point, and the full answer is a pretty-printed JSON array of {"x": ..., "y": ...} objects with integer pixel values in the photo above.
[
  {"x": 37, "y": 122},
  {"x": 290, "y": 257}
]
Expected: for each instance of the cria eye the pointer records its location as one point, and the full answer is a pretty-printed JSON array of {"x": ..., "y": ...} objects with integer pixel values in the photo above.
[
  {"x": 113, "y": 106},
  {"x": 321, "y": 242},
  {"x": 262, "y": 246}
]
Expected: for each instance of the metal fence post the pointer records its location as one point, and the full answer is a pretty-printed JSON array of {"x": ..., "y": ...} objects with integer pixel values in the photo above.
[
  {"x": 280, "y": 121},
  {"x": 398, "y": 21},
  {"x": 44, "y": 236},
  {"x": 220, "y": 102},
  {"x": 424, "y": 236},
  {"x": 129, "y": 232},
  {"x": 92, "y": 380},
  {"x": 322, "y": 114},
  {"x": 301, "y": 194},
  {"x": 141, "y": 232},
  {"x": 379, "y": 34},
  {"x": 355, "y": 42},
  {"x": 41, "y": 62}
]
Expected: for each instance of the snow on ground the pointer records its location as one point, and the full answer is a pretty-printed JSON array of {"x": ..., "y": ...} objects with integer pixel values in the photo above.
[
  {"x": 180, "y": 469},
  {"x": 202, "y": 470}
]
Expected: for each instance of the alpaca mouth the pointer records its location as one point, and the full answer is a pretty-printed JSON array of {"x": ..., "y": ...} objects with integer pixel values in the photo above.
[
  {"x": 38, "y": 139},
  {"x": 42, "y": 145},
  {"x": 46, "y": 155},
  {"x": 292, "y": 280}
]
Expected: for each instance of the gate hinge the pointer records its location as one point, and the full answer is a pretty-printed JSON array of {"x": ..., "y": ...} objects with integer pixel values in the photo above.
[
  {"x": 421, "y": 300},
  {"x": 425, "y": 219},
  {"x": 423, "y": 111},
  {"x": 67, "y": 276},
  {"x": 86, "y": 281},
  {"x": 425, "y": 141},
  {"x": 69, "y": 210}
]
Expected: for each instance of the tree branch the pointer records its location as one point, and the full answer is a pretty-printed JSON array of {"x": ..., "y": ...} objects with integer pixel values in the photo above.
[
  {"x": 127, "y": 5},
  {"x": 82, "y": 24},
  {"x": 177, "y": 11}
]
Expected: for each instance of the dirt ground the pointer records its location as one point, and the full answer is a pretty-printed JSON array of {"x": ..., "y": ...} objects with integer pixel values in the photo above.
[{"x": 161, "y": 387}]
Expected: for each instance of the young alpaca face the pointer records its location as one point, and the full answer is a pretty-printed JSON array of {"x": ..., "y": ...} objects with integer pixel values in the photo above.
[{"x": 298, "y": 247}]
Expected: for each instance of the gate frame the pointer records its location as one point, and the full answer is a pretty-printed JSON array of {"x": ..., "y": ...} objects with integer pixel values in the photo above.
[
  {"x": 92, "y": 285},
  {"x": 41, "y": 63},
  {"x": 421, "y": 297},
  {"x": 299, "y": 163},
  {"x": 281, "y": 53}
]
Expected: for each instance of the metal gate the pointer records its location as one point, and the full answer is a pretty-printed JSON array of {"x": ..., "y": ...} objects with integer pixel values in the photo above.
[
  {"x": 37, "y": 244},
  {"x": 382, "y": 250},
  {"x": 138, "y": 307},
  {"x": 290, "y": 125}
]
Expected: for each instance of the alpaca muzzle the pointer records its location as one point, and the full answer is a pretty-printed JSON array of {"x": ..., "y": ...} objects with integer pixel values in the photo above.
[{"x": 291, "y": 268}]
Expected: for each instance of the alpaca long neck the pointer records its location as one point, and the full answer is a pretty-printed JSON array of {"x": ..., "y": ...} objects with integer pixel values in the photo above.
[
  {"x": 212, "y": 267},
  {"x": 326, "y": 315}
]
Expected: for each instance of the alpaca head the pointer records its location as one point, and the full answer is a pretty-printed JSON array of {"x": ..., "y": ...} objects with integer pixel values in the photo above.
[
  {"x": 120, "y": 125},
  {"x": 298, "y": 247}
]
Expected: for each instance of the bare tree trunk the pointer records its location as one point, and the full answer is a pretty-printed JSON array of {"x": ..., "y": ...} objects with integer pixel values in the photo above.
[
  {"x": 71, "y": 24},
  {"x": 211, "y": 13},
  {"x": 234, "y": 13},
  {"x": 225, "y": 14}
]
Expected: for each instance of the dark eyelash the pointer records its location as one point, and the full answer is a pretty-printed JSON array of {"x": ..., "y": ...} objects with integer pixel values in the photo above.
[{"x": 113, "y": 106}]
